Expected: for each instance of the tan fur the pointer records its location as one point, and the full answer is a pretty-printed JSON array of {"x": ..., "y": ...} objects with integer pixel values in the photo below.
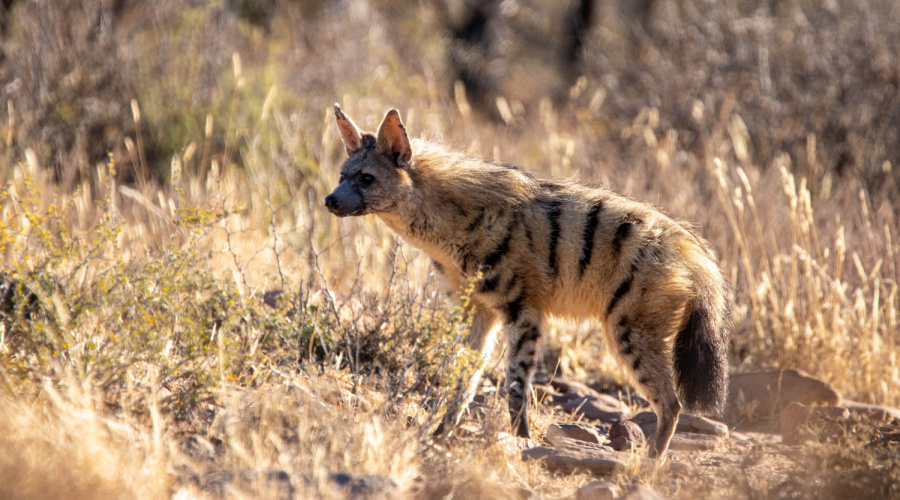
[{"x": 547, "y": 248}]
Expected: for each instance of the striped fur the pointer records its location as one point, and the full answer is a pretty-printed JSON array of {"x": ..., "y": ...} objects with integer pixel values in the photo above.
[{"x": 546, "y": 249}]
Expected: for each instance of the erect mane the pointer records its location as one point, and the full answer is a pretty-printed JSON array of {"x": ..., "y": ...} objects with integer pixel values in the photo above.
[{"x": 466, "y": 181}]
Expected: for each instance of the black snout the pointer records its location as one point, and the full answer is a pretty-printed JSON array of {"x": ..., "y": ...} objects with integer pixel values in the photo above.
[
  {"x": 331, "y": 202},
  {"x": 345, "y": 200}
]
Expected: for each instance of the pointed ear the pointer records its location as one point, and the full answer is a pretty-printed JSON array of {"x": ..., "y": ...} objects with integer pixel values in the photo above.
[
  {"x": 349, "y": 133},
  {"x": 392, "y": 138}
]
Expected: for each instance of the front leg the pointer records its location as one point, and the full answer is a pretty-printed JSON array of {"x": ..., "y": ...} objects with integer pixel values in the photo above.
[{"x": 522, "y": 325}]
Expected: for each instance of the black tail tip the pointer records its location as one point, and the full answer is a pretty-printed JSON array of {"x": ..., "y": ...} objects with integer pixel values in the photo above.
[{"x": 701, "y": 363}]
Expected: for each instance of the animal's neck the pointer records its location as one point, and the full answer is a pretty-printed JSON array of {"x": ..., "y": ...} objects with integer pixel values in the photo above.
[{"x": 427, "y": 221}]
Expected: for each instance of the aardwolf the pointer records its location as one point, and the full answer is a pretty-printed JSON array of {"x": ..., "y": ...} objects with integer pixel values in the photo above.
[{"x": 540, "y": 248}]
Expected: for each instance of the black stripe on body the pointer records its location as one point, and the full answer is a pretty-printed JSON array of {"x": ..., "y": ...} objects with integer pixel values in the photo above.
[
  {"x": 623, "y": 231},
  {"x": 553, "y": 209},
  {"x": 636, "y": 364},
  {"x": 459, "y": 209},
  {"x": 494, "y": 257},
  {"x": 510, "y": 285},
  {"x": 620, "y": 292},
  {"x": 589, "y": 228},
  {"x": 489, "y": 284},
  {"x": 514, "y": 308},
  {"x": 625, "y": 286},
  {"x": 476, "y": 221},
  {"x": 467, "y": 260},
  {"x": 625, "y": 338},
  {"x": 438, "y": 266}
]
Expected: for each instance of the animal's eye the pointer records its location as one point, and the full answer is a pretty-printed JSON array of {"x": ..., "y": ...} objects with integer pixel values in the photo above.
[{"x": 367, "y": 178}]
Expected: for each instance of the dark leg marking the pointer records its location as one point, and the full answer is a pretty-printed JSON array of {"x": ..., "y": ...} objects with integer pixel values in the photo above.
[
  {"x": 531, "y": 334},
  {"x": 519, "y": 377},
  {"x": 636, "y": 364},
  {"x": 643, "y": 381},
  {"x": 437, "y": 266},
  {"x": 590, "y": 227},
  {"x": 525, "y": 365}
]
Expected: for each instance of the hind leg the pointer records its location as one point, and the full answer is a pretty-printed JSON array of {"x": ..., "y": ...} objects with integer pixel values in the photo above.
[{"x": 647, "y": 358}]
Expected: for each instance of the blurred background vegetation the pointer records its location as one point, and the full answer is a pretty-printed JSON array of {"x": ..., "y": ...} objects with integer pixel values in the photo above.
[{"x": 164, "y": 165}]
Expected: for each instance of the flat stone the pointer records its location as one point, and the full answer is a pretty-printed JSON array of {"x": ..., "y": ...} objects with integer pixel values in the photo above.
[
  {"x": 771, "y": 391},
  {"x": 595, "y": 406},
  {"x": 689, "y": 441},
  {"x": 686, "y": 423},
  {"x": 875, "y": 413},
  {"x": 544, "y": 393},
  {"x": 563, "y": 385},
  {"x": 641, "y": 492},
  {"x": 598, "y": 490},
  {"x": 800, "y": 422},
  {"x": 581, "y": 432},
  {"x": 624, "y": 436},
  {"x": 564, "y": 441},
  {"x": 570, "y": 459}
]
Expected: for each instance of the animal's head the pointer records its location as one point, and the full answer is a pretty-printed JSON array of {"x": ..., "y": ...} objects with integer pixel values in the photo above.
[{"x": 372, "y": 176}]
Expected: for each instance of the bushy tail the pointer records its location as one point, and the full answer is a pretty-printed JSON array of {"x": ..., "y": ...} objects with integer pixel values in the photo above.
[{"x": 701, "y": 358}]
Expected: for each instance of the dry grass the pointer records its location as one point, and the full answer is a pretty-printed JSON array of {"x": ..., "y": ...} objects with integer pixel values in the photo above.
[{"x": 143, "y": 354}]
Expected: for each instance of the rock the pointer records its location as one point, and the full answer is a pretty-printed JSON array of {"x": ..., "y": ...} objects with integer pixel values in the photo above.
[
  {"x": 624, "y": 436},
  {"x": 771, "y": 391},
  {"x": 580, "y": 432},
  {"x": 595, "y": 406},
  {"x": 544, "y": 393},
  {"x": 641, "y": 492},
  {"x": 564, "y": 441},
  {"x": 563, "y": 385},
  {"x": 689, "y": 441},
  {"x": 872, "y": 412},
  {"x": 824, "y": 421},
  {"x": 598, "y": 490},
  {"x": 571, "y": 459},
  {"x": 365, "y": 486},
  {"x": 686, "y": 423},
  {"x": 515, "y": 444}
]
